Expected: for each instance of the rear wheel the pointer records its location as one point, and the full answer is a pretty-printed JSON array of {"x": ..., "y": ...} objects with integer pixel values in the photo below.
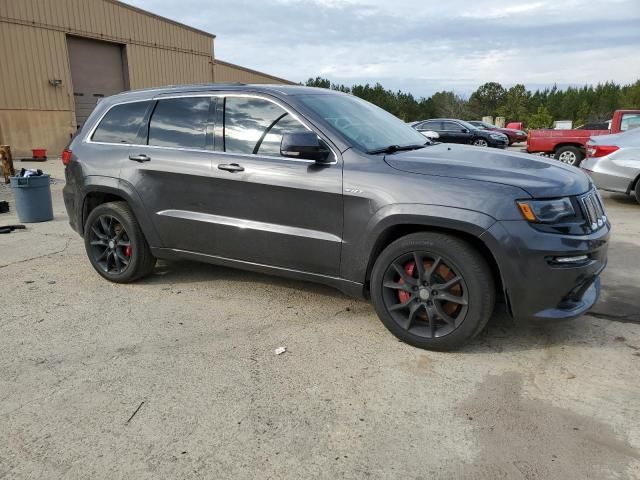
[
  {"x": 569, "y": 155},
  {"x": 636, "y": 190},
  {"x": 115, "y": 244},
  {"x": 432, "y": 290}
]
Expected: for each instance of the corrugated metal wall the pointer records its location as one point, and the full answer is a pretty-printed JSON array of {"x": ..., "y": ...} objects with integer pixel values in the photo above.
[
  {"x": 30, "y": 57},
  {"x": 153, "y": 67},
  {"x": 33, "y": 47},
  {"x": 108, "y": 20},
  {"x": 225, "y": 72}
]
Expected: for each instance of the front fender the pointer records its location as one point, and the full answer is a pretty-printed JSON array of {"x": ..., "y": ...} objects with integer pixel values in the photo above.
[{"x": 357, "y": 252}]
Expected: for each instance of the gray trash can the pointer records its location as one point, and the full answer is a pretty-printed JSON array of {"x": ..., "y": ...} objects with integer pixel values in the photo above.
[{"x": 33, "y": 198}]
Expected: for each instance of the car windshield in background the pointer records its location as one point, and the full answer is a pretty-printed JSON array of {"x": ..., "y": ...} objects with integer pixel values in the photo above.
[{"x": 366, "y": 126}]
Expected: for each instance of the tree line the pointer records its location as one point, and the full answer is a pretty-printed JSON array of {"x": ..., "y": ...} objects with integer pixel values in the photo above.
[{"x": 538, "y": 109}]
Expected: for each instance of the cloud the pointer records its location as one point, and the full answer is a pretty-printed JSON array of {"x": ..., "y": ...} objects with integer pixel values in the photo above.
[{"x": 423, "y": 46}]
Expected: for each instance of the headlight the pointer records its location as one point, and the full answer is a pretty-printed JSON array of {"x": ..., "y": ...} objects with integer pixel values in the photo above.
[
  {"x": 520, "y": 132},
  {"x": 497, "y": 136},
  {"x": 546, "y": 211}
]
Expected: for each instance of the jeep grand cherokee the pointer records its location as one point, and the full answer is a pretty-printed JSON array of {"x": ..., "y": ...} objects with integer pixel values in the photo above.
[{"x": 322, "y": 186}]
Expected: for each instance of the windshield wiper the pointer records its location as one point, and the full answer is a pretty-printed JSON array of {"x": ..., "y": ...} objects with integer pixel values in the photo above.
[{"x": 397, "y": 148}]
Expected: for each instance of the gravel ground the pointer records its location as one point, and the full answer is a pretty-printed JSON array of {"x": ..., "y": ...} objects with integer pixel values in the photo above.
[{"x": 176, "y": 376}]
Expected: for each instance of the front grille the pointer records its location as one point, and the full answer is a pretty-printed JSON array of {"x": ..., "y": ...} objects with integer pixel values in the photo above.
[{"x": 593, "y": 209}]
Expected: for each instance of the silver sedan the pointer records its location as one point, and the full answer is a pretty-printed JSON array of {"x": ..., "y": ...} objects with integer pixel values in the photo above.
[{"x": 613, "y": 162}]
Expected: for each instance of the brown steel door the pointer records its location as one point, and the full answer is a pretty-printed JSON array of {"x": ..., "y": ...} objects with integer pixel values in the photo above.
[{"x": 97, "y": 71}]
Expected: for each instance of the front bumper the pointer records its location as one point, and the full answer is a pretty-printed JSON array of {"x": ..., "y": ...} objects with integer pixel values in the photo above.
[
  {"x": 538, "y": 288},
  {"x": 497, "y": 143}
]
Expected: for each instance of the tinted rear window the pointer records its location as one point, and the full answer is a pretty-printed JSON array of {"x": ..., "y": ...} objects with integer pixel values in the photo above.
[
  {"x": 122, "y": 123},
  {"x": 180, "y": 122}
]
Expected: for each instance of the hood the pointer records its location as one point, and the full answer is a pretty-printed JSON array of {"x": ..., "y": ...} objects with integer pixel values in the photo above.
[{"x": 539, "y": 177}]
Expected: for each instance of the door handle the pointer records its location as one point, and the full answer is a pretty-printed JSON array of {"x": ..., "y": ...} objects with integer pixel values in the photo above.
[
  {"x": 140, "y": 158},
  {"x": 231, "y": 167}
]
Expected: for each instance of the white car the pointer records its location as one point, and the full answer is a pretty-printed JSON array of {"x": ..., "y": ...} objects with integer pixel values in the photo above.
[{"x": 613, "y": 162}]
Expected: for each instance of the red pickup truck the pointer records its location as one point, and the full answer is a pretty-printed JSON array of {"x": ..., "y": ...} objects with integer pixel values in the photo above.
[{"x": 568, "y": 146}]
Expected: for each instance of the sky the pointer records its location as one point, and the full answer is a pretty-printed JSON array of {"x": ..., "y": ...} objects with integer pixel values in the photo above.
[{"x": 423, "y": 46}]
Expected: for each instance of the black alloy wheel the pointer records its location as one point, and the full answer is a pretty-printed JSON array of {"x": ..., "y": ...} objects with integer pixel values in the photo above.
[
  {"x": 425, "y": 295},
  {"x": 115, "y": 244},
  {"x": 432, "y": 290},
  {"x": 110, "y": 244}
]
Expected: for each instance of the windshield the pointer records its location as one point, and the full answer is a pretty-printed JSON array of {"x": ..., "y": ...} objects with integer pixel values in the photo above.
[{"x": 366, "y": 126}]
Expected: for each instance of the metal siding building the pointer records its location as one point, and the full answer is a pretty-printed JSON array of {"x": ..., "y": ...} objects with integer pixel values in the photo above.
[{"x": 60, "y": 56}]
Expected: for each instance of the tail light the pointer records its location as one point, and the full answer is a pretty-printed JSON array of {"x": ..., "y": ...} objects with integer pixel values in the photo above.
[
  {"x": 66, "y": 157},
  {"x": 595, "y": 151}
]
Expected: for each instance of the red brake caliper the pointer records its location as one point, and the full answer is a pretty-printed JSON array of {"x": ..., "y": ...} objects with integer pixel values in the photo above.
[
  {"x": 408, "y": 268},
  {"x": 127, "y": 251}
]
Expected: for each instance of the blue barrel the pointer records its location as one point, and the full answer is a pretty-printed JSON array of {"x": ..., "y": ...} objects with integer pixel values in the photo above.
[{"x": 33, "y": 198}]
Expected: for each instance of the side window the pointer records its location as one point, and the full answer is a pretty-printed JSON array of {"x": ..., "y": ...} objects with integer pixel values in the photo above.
[
  {"x": 629, "y": 121},
  {"x": 180, "y": 122},
  {"x": 431, "y": 126},
  {"x": 122, "y": 123},
  {"x": 255, "y": 126},
  {"x": 452, "y": 127}
]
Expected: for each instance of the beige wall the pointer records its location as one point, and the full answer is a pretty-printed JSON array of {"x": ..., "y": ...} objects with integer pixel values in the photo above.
[
  {"x": 33, "y": 50},
  {"x": 29, "y": 58},
  {"x": 225, "y": 72},
  {"x": 153, "y": 67},
  {"x": 27, "y": 129}
]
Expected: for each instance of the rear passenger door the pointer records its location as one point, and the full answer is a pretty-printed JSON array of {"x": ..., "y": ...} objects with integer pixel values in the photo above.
[
  {"x": 269, "y": 209},
  {"x": 171, "y": 168},
  {"x": 432, "y": 126}
]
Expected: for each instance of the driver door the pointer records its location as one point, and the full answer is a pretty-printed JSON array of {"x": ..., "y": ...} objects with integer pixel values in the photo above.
[{"x": 265, "y": 208}]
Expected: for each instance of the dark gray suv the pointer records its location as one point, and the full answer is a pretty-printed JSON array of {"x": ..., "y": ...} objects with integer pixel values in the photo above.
[{"x": 322, "y": 186}]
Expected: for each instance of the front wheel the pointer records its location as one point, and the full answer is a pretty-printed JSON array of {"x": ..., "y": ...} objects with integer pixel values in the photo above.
[
  {"x": 569, "y": 155},
  {"x": 432, "y": 290},
  {"x": 480, "y": 142},
  {"x": 115, "y": 244}
]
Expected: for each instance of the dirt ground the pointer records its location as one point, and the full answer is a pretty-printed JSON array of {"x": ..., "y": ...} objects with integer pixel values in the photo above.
[{"x": 176, "y": 376}]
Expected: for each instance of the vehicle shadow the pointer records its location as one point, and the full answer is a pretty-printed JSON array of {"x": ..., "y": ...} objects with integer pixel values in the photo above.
[
  {"x": 501, "y": 335},
  {"x": 185, "y": 273}
]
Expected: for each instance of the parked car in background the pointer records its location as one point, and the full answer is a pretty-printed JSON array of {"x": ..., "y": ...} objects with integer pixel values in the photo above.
[
  {"x": 323, "y": 186},
  {"x": 568, "y": 146},
  {"x": 451, "y": 130},
  {"x": 513, "y": 135},
  {"x": 613, "y": 161},
  {"x": 515, "y": 125}
]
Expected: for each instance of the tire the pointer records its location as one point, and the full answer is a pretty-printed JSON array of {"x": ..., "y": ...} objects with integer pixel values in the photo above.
[
  {"x": 480, "y": 142},
  {"x": 569, "y": 155},
  {"x": 115, "y": 244},
  {"x": 636, "y": 191},
  {"x": 411, "y": 319}
]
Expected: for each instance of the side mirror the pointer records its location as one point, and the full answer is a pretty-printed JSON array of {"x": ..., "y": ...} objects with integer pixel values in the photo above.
[
  {"x": 465, "y": 130},
  {"x": 304, "y": 145}
]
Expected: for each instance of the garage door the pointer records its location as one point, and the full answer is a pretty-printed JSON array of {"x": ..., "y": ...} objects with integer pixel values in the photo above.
[{"x": 97, "y": 70}]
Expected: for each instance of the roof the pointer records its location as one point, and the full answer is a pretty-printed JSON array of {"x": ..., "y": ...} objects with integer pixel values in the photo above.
[
  {"x": 164, "y": 19},
  {"x": 212, "y": 87}
]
